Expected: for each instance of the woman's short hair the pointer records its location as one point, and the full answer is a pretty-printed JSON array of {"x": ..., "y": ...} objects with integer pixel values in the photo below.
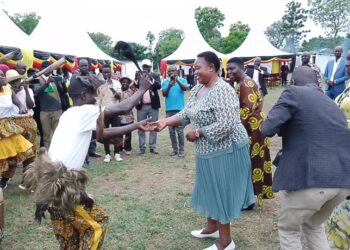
[
  {"x": 236, "y": 60},
  {"x": 211, "y": 57}
]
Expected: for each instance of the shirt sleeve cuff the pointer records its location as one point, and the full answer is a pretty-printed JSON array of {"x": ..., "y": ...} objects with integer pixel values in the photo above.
[{"x": 183, "y": 119}]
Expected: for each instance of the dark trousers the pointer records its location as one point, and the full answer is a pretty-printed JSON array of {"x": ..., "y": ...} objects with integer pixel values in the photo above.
[
  {"x": 127, "y": 139},
  {"x": 93, "y": 145},
  {"x": 36, "y": 117},
  {"x": 178, "y": 148},
  {"x": 113, "y": 122},
  {"x": 284, "y": 79}
]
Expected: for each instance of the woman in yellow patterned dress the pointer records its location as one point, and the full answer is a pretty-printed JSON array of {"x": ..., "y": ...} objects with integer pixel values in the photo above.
[
  {"x": 252, "y": 116},
  {"x": 14, "y": 147},
  {"x": 338, "y": 225}
]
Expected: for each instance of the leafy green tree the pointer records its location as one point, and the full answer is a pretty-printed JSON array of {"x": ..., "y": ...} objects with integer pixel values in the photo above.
[
  {"x": 169, "y": 40},
  {"x": 287, "y": 33},
  {"x": 239, "y": 26},
  {"x": 209, "y": 20},
  {"x": 26, "y": 21},
  {"x": 276, "y": 35},
  {"x": 150, "y": 38},
  {"x": 332, "y": 15},
  {"x": 103, "y": 41},
  {"x": 293, "y": 25},
  {"x": 320, "y": 43},
  {"x": 238, "y": 33}
]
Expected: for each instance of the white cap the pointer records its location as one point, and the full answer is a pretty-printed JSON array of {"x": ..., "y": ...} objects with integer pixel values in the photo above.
[{"x": 146, "y": 62}]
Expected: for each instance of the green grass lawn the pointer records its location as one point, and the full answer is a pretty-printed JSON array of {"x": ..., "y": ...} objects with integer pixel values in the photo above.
[{"x": 146, "y": 200}]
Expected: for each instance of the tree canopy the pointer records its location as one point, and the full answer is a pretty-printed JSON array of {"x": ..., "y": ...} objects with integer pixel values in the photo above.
[
  {"x": 332, "y": 15},
  {"x": 287, "y": 33},
  {"x": 209, "y": 20},
  {"x": 26, "y": 21},
  {"x": 168, "y": 41}
]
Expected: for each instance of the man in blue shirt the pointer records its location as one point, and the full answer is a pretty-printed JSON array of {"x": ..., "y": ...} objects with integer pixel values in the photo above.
[{"x": 173, "y": 89}]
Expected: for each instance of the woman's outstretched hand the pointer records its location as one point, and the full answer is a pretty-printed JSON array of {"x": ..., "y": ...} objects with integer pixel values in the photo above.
[{"x": 159, "y": 125}]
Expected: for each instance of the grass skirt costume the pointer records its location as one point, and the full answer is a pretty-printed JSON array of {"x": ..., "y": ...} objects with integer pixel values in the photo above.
[
  {"x": 13, "y": 146},
  {"x": 29, "y": 126},
  {"x": 78, "y": 223}
]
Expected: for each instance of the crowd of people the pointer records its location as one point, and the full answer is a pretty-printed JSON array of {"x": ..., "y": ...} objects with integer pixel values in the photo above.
[{"x": 228, "y": 126}]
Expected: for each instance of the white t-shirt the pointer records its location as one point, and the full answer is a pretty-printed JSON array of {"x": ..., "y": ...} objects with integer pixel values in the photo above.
[
  {"x": 71, "y": 140},
  {"x": 21, "y": 95},
  {"x": 7, "y": 108}
]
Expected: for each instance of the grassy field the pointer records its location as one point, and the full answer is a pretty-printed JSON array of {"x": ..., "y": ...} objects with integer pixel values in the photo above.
[{"x": 146, "y": 200}]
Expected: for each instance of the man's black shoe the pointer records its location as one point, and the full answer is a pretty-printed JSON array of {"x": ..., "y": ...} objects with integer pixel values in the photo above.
[
  {"x": 94, "y": 154},
  {"x": 3, "y": 183},
  {"x": 154, "y": 151}
]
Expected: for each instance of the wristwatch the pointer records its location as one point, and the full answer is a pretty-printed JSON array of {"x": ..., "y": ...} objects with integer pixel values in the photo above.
[{"x": 196, "y": 132}]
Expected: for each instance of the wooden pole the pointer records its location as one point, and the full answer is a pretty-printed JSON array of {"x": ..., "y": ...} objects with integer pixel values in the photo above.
[
  {"x": 7, "y": 57},
  {"x": 50, "y": 68}
]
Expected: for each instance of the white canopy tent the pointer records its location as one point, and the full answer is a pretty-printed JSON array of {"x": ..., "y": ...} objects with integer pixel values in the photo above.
[
  {"x": 11, "y": 34},
  {"x": 192, "y": 45},
  {"x": 256, "y": 44},
  {"x": 58, "y": 35}
]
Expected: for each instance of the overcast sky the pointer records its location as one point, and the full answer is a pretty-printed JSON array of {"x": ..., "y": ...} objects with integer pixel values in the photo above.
[{"x": 130, "y": 20}]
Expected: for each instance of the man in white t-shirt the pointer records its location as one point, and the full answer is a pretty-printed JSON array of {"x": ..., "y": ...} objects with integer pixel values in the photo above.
[{"x": 62, "y": 170}]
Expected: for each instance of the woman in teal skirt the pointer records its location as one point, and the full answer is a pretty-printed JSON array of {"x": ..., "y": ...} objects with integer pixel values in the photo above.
[{"x": 223, "y": 185}]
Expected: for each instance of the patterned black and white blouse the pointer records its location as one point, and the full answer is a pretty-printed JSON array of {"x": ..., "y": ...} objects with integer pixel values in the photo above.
[{"x": 217, "y": 114}]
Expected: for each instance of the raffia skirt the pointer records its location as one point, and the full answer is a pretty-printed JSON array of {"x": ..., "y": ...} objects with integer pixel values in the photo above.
[
  {"x": 83, "y": 230},
  {"x": 30, "y": 130},
  {"x": 13, "y": 146},
  {"x": 223, "y": 185}
]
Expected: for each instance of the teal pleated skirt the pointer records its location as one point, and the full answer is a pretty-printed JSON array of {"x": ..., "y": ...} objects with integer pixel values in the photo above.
[{"x": 223, "y": 185}]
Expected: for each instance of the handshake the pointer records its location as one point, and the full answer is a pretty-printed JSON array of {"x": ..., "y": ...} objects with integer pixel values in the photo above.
[{"x": 147, "y": 126}]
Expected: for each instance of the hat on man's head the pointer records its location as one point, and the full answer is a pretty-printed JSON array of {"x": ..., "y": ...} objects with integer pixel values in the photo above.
[
  {"x": 12, "y": 75},
  {"x": 146, "y": 62},
  {"x": 125, "y": 77}
]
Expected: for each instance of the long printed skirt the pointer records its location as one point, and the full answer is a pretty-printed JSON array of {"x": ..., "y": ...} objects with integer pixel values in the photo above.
[{"x": 261, "y": 166}]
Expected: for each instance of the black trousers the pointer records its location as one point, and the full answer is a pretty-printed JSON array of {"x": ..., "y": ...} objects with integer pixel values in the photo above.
[
  {"x": 118, "y": 145},
  {"x": 127, "y": 139}
]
